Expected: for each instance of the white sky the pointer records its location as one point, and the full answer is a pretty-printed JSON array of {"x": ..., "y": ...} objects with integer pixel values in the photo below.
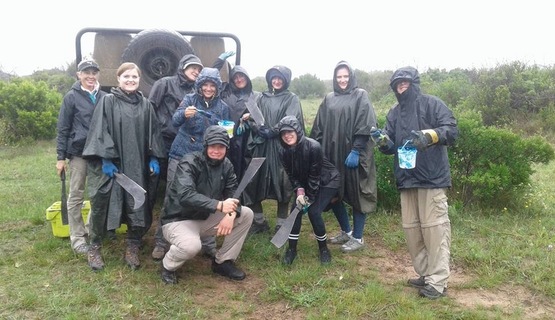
[{"x": 309, "y": 37}]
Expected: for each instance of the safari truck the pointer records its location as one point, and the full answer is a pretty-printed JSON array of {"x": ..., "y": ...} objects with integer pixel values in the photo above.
[{"x": 156, "y": 51}]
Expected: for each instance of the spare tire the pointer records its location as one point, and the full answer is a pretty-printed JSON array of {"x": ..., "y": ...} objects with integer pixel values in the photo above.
[{"x": 157, "y": 53}]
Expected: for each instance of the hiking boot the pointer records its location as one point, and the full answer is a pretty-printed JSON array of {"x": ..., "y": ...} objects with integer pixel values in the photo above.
[
  {"x": 259, "y": 228},
  {"x": 94, "y": 258},
  {"x": 352, "y": 245},
  {"x": 325, "y": 256},
  {"x": 431, "y": 293},
  {"x": 289, "y": 256},
  {"x": 341, "y": 238},
  {"x": 158, "y": 253},
  {"x": 208, "y": 252},
  {"x": 81, "y": 249},
  {"x": 417, "y": 282},
  {"x": 132, "y": 255},
  {"x": 168, "y": 277},
  {"x": 228, "y": 269}
]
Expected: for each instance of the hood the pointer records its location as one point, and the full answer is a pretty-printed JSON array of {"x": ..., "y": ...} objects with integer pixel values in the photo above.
[
  {"x": 209, "y": 74},
  {"x": 183, "y": 63},
  {"x": 290, "y": 123},
  {"x": 405, "y": 73},
  {"x": 353, "y": 83},
  {"x": 234, "y": 71},
  {"x": 281, "y": 71}
]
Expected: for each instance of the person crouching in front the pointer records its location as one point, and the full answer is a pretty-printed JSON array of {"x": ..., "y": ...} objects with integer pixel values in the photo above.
[{"x": 200, "y": 203}]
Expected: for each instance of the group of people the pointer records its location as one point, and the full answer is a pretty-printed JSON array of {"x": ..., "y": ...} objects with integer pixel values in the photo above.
[{"x": 175, "y": 135}]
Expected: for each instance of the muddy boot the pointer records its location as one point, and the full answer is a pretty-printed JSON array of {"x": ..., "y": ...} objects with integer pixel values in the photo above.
[
  {"x": 132, "y": 254},
  {"x": 95, "y": 258}
]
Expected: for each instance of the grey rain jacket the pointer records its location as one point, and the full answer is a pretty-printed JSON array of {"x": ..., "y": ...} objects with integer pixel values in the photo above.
[
  {"x": 343, "y": 123},
  {"x": 166, "y": 95},
  {"x": 123, "y": 129},
  {"x": 198, "y": 185},
  {"x": 271, "y": 181},
  {"x": 73, "y": 121},
  {"x": 190, "y": 132},
  {"x": 305, "y": 163},
  {"x": 417, "y": 111}
]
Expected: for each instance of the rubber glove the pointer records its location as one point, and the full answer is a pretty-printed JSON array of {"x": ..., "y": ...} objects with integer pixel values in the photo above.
[
  {"x": 154, "y": 166},
  {"x": 352, "y": 159},
  {"x": 109, "y": 168},
  {"x": 241, "y": 128},
  {"x": 422, "y": 139},
  {"x": 226, "y": 55},
  {"x": 266, "y": 133},
  {"x": 379, "y": 138}
]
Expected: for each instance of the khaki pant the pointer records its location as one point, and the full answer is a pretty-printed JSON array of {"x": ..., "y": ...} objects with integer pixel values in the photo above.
[
  {"x": 428, "y": 233},
  {"x": 184, "y": 237},
  {"x": 78, "y": 229}
]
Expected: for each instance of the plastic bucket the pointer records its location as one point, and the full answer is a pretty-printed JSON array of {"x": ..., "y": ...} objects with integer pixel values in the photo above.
[
  {"x": 407, "y": 156},
  {"x": 228, "y": 125}
]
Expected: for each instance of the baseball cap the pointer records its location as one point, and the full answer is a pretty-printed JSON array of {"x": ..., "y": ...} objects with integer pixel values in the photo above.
[{"x": 87, "y": 64}]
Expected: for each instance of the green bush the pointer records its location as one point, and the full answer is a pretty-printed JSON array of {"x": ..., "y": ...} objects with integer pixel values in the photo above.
[{"x": 28, "y": 111}]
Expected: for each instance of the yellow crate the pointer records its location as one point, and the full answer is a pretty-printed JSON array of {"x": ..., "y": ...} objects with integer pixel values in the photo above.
[{"x": 54, "y": 215}]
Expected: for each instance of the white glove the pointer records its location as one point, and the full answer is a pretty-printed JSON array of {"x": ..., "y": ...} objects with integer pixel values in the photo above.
[{"x": 302, "y": 200}]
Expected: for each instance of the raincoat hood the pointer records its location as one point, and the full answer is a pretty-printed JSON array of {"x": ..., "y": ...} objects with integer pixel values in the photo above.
[
  {"x": 187, "y": 60},
  {"x": 353, "y": 83},
  {"x": 233, "y": 72},
  {"x": 405, "y": 73},
  {"x": 290, "y": 123},
  {"x": 280, "y": 71},
  {"x": 209, "y": 74}
]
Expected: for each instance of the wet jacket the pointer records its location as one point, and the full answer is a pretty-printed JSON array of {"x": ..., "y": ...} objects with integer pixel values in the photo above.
[
  {"x": 271, "y": 181},
  {"x": 417, "y": 111},
  {"x": 342, "y": 124},
  {"x": 123, "y": 129},
  {"x": 74, "y": 120},
  {"x": 167, "y": 93},
  {"x": 197, "y": 187},
  {"x": 305, "y": 163},
  {"x": 191, "y": 130}
]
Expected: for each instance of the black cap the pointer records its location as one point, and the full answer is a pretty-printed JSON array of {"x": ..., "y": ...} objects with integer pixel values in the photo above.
[
  {"x": 216, "y": 135},
  {"x": 87, "y": 64}
]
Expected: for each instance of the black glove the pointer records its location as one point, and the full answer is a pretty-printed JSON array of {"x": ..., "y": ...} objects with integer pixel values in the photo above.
[
  {"x": 267, "y": 133},
  {"x": 424, "y": 138}
]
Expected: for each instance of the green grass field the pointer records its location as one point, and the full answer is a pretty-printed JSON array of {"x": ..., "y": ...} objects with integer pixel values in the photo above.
[{"x": 502, "y": 266}]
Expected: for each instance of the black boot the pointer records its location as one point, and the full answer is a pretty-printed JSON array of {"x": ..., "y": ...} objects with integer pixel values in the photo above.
[
  {"x": 325, "y": 256},
  {"x": 289, "y": 256},
  {"x": 228, "y": 269},
  {"x": 95, "y": 258},
  {"x": 132, "y": 254},
  {"x": 168, "y": 277}
]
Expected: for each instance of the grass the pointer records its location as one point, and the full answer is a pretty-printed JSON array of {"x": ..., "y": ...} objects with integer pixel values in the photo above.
[{"x": 40, "y": 277}]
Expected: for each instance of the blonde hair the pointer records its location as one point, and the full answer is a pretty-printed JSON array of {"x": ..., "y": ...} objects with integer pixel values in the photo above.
[{"x": 127, "y": 66}]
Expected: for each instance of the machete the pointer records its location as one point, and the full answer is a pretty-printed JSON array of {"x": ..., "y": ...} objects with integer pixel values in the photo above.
[
  {"x": 256, "y": 114},
  {"x": 282, "y": 234},
  {"x": 253, "y": 167},
  {"x": 133, "y": 188},
  {"x": 64, "y": 197}
]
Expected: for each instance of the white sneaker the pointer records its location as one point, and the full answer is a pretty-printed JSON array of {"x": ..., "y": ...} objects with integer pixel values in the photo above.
[{"x": 352, "y": 245}]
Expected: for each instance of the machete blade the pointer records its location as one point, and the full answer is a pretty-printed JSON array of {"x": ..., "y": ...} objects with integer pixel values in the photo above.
[
  {"x": 133, "y": 188},
  {"x": 282, "y": 234},
  {"x": 253, "y": 167},
  {"x": 255, "y": 112}
]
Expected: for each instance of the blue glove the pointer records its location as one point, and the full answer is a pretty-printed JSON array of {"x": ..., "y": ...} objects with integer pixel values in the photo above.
[
  {"x": 352, "y": 159},
  {"x": 109, "y": 168},
  {"x": 241, "y": 128},
  {"x": 266, "y": 133},
  {"x": 226, "y": 55},
  {"x": 154, "y": 166}
]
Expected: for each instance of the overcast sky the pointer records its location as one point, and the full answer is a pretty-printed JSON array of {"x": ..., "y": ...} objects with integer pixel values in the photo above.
[{"x": 309, "y": 37}]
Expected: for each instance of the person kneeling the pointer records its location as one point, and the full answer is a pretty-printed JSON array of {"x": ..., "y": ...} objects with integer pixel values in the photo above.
[{"x": 200, "y": 203}]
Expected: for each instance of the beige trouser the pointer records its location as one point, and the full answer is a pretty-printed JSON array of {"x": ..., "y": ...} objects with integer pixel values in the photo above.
[
  {"x": 428, "y": 233},
  {"x": 78, "y": 229},
  {"x": 184, "y": 237}
]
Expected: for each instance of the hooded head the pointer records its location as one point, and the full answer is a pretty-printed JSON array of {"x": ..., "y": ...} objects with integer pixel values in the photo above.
[
  {"x": 409, "y": 74},
  {"x": 353, "y": 84},
  {"x": 290, "y": 123},
  {"x": 278, "y": 71},
  {"x": 240, "y": 70},
  {"x": 209, "y": 74},
  {"x": 215, "y": 134},
  {"x": 187, "y": 60}
]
